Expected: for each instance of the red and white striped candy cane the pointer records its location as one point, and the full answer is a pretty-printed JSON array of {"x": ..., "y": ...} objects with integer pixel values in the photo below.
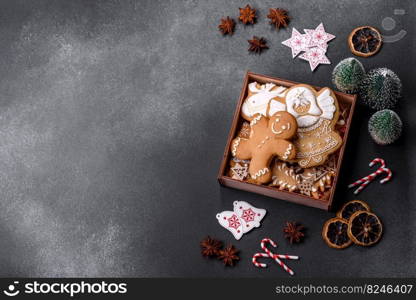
[
  {"x": 363, "y": 182},
  {"x": 388, "y": 177},
  {"x": 269, "y": 253},
  {"x": 285, "y": 256},
  {"x": 366, "y": 180},
  {"x": 378, "y": 160},
  {"x": 258, "y": 264},
  {"x": 272, "y": 255},
  {"x": 263, "y": 265},
  {"x": 263, "y": 246},
  {"x": 372, "y": 175}
]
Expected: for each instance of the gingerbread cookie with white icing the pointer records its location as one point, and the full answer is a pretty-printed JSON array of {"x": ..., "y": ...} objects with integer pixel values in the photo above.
[
  {"x": 316, "y": 114},
  {"x": 268, "y": 138},
  {"x": 238, "y": 169},
  {"x": 285, "y": 177},
  {"x": 244, "y": 130},
  {"x": 316, "y": 181},
  {"x": 259, "y": 97},
  {"x": 313, "y": 182}
]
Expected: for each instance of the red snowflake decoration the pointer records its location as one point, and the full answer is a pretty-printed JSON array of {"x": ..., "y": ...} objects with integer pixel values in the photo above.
[
  {"x": 233, "y": 222},
  {"x": 248, "y": 215}
]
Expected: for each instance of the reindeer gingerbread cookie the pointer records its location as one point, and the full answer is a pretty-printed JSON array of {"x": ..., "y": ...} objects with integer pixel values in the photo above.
[
  {"x": 258, "y": 99},
  {"x": 316, "y": 114},
  {"x": 268, "y": 138}
]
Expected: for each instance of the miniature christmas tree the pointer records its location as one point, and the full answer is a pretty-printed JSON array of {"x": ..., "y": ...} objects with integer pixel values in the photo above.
[
  {"x": 380, "y": 89},
  {"x": 348, "y": 74},
  {"x": 385, "y": 127}
]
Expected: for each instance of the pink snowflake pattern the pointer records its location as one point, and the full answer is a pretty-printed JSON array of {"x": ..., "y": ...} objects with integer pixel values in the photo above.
[
  {"x": 298, "y": 42},
  {"x": 319, "y": 37},
  {"x": 315, "y": 56},
  {"x": 234, "y": 222}
]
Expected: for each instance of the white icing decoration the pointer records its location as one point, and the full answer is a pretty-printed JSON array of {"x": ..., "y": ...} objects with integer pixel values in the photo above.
[
  {"x": 235, "y": 145},
  {"x": 239, "y": 172},
  {"x": 276, "y": 106},
  {"x": 255, "y": 120},
  {"x": 284, "y": 127},
  {"x": 260, "y": 173},
  {"x": 259, "y": 102},
  {"x": 313, "y": 127},
  {"x": 273, "y": 129},
  {"x": 287, "y": 153},
  {"x": 307, "y": 121},
  {"x": 322, "y": 106},
  {"x": 316, "y": 154},
  {"x": 299, "y": 98},
  {"x": 245, "y": 161},
  {"x": 327, "y": 104},
  {"x": 263, "y": 142}
]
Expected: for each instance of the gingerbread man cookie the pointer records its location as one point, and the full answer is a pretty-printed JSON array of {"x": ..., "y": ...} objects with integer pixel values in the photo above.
[
  {"x": 316, "y": 114},
  {"x": 268, "y": 138},
  {"x": 258, "y": 98}
]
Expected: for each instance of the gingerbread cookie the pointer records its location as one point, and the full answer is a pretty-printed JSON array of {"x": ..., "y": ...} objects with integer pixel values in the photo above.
[
  {"x": 238, "y": 169},
  {"x": 317, "y": 180},
  {"x": 313, "y": 186},
  {"x": 316, "y": 114},
  {"x": 284, "y": 177},
  {"x": 268, "y": 138},
  {"x": 244, "y": 130},
  {"x": 258, "y": 98}
]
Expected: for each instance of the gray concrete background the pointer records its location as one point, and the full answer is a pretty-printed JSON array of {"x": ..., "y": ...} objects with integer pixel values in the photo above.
[{"x": 113, "y": 120}]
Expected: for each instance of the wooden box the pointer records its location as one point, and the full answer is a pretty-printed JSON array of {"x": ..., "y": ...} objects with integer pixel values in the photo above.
[{"x": 344, "y": 100}]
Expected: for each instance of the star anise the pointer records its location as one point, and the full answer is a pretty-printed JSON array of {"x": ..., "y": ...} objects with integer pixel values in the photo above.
[
  {"x": 257, "y": 45},
  {"x": 227, "y": 26},
  {"x": 247, "y": 15},
  {"x": 293, "y": 232},
  {"x": 210, "y": 247},
  {"x": 278, "y": 17},
  {"x": 228, "y": 255}
]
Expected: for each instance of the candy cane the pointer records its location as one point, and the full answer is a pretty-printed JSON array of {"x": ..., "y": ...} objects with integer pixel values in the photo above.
[
  {"x": 281, "y": 256},
  {"x": 272, "y": 255},
  {"x": 366, "y": 180},
  {"x": 363, "y": 182},
  {"x": 269, "y": 253},
  {"x": 378, "y": 160},
  {"x": 372, "y": 175},
  {"x": 263, "y": 246},
  {"x": 389, "y": 175},
  {"x": 256, "y": 263}
]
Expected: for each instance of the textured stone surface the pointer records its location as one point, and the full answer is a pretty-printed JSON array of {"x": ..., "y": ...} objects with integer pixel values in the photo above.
[{"x": 113, "y": 120}]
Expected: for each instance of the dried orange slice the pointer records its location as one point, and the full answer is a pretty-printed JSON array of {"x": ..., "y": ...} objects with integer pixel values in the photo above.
[
  {"x": 365, "y": 41},
  {"x": 335, "y": 233},
  {"x": 364, "y": 228},
  {"x": 351, "y": 207}
]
